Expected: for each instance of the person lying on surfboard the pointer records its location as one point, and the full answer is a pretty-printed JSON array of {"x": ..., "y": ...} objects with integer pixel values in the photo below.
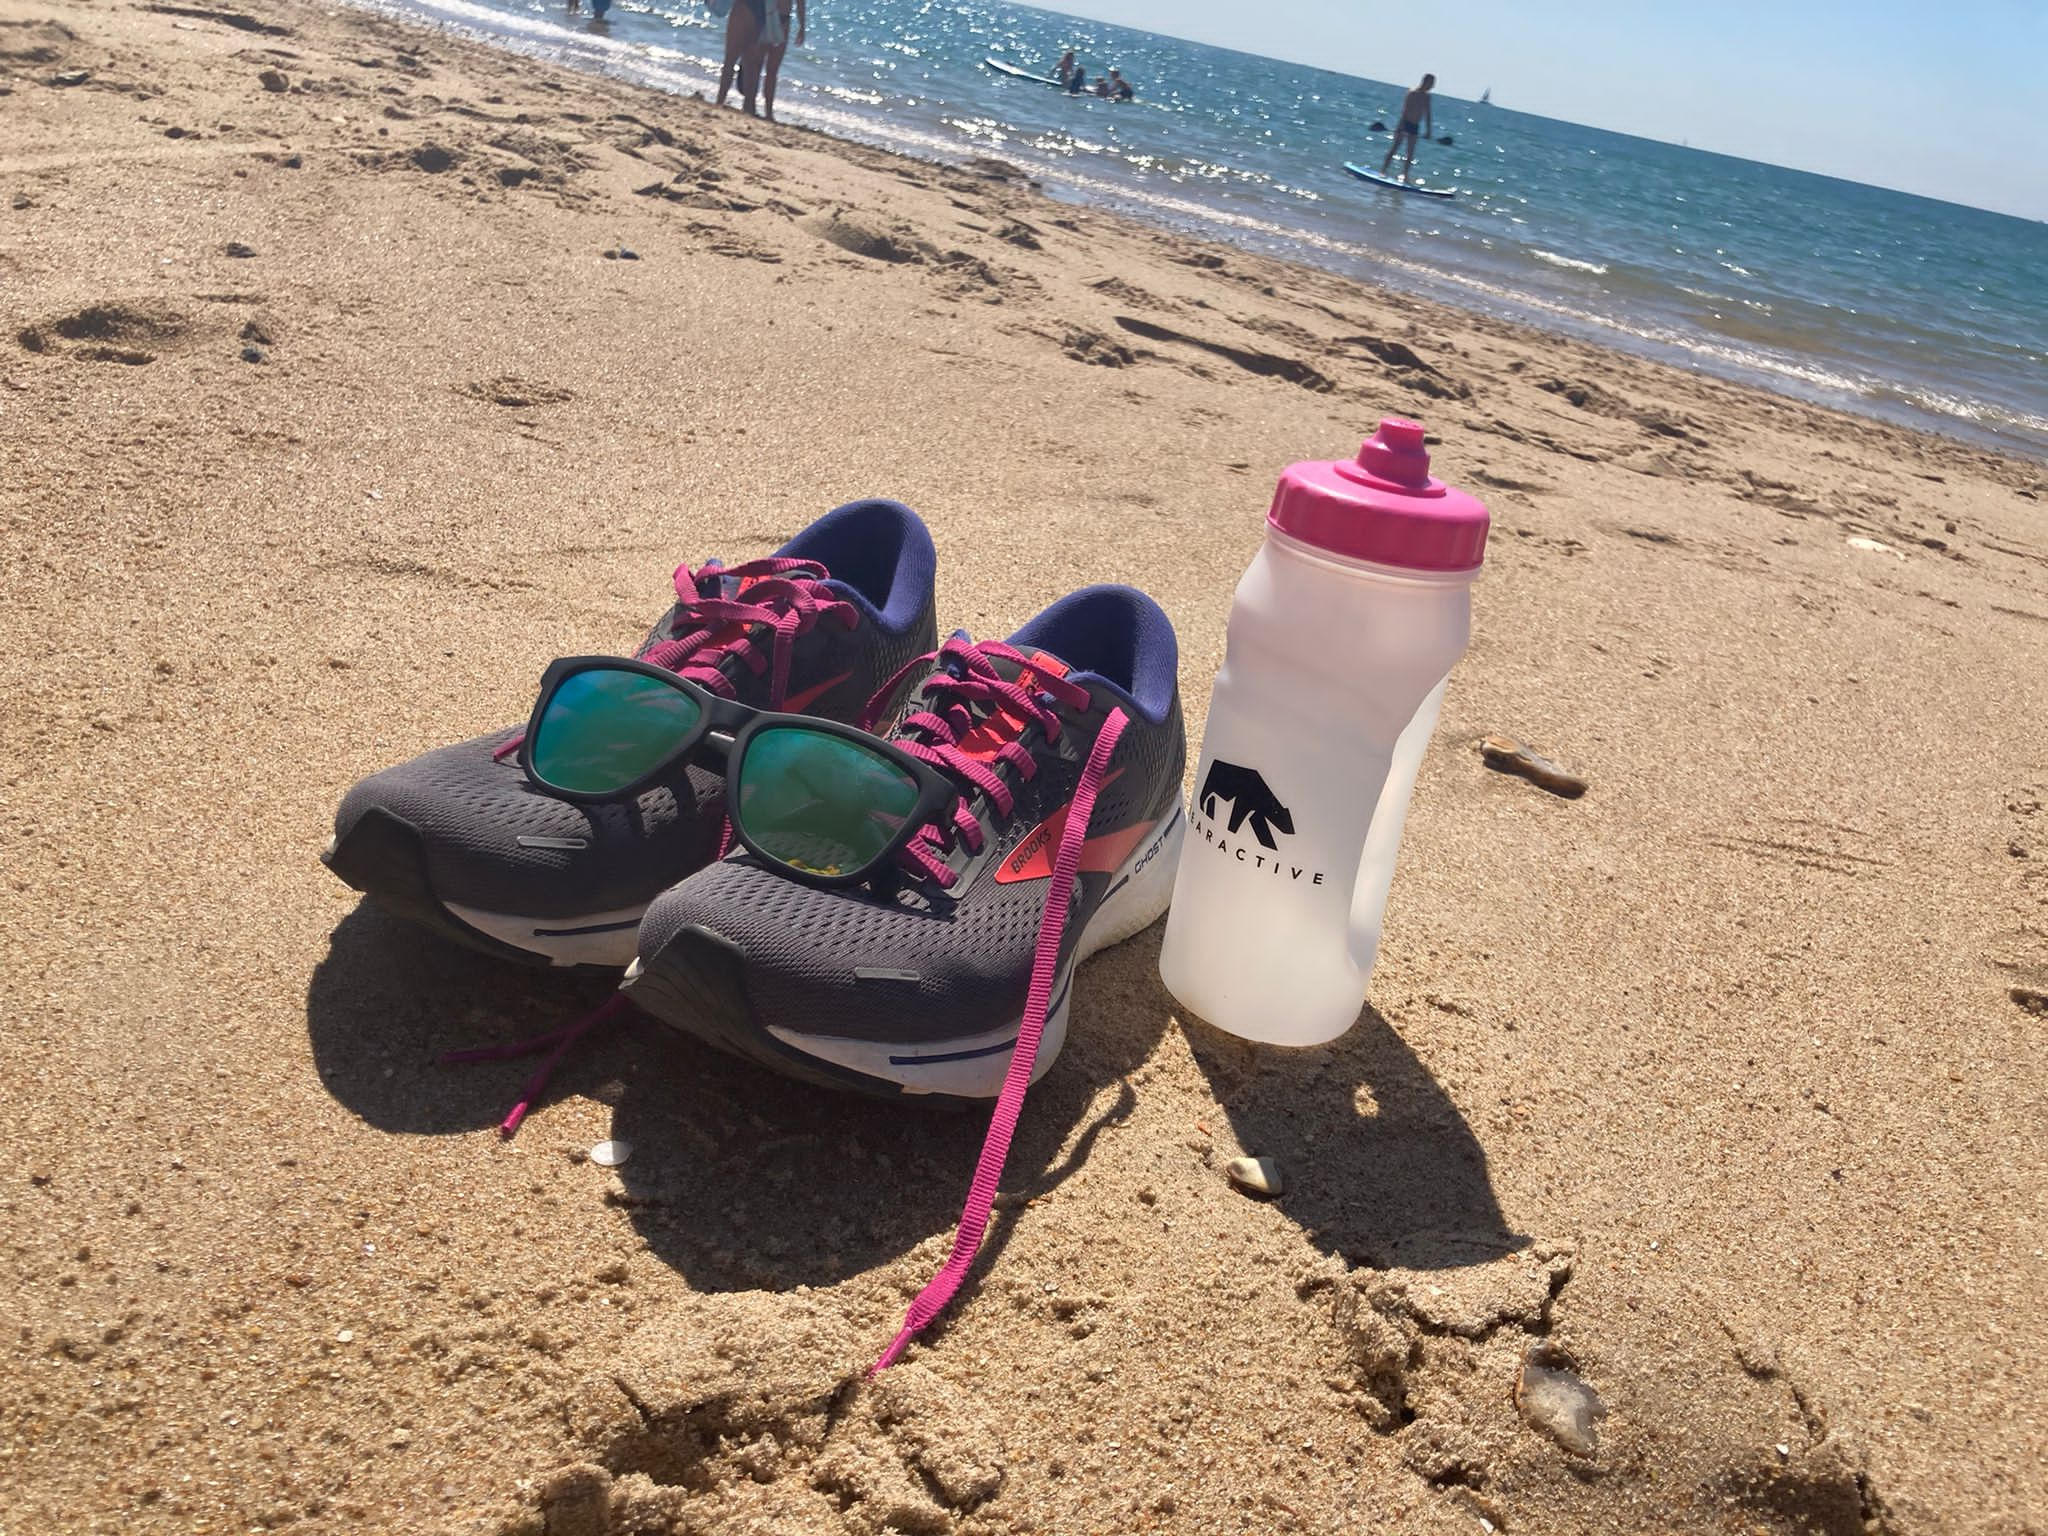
[{"x": 1415, "y": 121}]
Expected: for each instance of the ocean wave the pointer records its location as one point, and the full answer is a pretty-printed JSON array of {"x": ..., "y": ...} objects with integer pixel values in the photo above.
[
  {"x": 1758, "y": 362},
  {"x": 1571, "y": 263}
]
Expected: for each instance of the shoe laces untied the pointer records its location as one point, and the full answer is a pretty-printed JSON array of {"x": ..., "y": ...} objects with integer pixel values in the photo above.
[{"x": 972, "y": 719}]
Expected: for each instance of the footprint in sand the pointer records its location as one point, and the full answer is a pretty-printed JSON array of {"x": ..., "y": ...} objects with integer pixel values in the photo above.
[
  {"x": 133, "y": 334},
  {"x": 1265, "y": 364},
  {"x": 236, "y": 19},
  {"x": 513, "y": 392},
  {"x": 869, "y": 237}
]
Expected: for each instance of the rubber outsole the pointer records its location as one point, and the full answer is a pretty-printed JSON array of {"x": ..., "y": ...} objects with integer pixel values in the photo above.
[{"x": 384, "y": 857}]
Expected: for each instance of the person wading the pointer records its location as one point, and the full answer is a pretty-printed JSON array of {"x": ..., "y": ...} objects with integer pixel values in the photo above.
[{"x": 756, "y": 37}]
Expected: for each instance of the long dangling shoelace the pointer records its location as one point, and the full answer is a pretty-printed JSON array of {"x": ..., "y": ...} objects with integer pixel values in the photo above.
[
  {"x": 943, "y": 730},
  {"x": 789, "y": 597}
]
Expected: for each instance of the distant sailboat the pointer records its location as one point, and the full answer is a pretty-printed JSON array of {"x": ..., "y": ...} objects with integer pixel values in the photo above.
[{"x": 1486, "y": 97}]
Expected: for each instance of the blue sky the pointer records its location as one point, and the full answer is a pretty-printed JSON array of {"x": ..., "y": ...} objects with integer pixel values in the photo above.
[{"x": 1949, "y": 99}]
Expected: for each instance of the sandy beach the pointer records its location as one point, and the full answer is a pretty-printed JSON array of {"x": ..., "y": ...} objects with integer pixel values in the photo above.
[{"x": 326, "y": 421}]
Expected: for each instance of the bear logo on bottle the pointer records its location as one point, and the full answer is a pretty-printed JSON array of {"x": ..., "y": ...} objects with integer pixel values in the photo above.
[{"x": 1249, "y": 798}]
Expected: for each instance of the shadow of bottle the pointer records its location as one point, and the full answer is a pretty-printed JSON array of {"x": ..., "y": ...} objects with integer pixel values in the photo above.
[{"x": 1380, "y": 1167}]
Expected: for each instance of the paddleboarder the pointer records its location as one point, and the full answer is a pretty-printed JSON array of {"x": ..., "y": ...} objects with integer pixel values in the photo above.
[{"x": 1416, "y": 121}]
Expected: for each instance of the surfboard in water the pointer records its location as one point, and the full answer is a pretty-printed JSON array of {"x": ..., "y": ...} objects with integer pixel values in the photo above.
[
  {"x": 1396, "y": 183},
  {"x": 1020, "y": 74}
]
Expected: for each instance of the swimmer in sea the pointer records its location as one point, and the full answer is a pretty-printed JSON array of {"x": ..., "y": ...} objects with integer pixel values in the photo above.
[
  {"x": 1120, "y": 87},
  {"x": 1415, "y": 120}
]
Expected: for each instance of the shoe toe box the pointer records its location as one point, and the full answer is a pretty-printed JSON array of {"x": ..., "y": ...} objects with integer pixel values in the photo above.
[{"x": 487, "y": 837}]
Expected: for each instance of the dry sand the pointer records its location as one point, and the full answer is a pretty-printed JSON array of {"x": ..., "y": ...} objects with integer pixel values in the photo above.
[{"x": 1708, "y": 1085}]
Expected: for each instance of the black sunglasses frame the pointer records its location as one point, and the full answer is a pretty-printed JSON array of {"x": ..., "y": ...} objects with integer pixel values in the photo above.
[{"x": 724, "y": 731}]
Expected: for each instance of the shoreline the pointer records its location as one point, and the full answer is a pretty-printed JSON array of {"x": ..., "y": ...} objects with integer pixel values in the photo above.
[
  {"x": 330, "y": 421},
  {"x": 1729, "y": 356}
]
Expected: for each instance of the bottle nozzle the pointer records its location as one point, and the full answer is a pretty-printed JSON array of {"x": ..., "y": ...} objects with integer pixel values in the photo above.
[{"x": 1395, "y": 453}]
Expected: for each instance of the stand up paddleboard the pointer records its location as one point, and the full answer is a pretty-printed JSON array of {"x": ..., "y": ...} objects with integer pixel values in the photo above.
[
  {"x": 1396, "y": 183},
  {"x": 1020, "y": 74}
]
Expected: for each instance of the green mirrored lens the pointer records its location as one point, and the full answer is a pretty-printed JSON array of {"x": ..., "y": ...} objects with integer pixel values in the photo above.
[
  {"x": 822, "y": 804},
  {"x": 604, "y": 729}
]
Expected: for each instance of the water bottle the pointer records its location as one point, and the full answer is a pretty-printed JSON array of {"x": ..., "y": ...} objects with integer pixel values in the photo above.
[{"x": 1342, "y": 638}]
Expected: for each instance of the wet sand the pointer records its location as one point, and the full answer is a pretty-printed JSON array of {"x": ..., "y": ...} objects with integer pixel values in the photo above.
[{"x": 1709, "y": 1085}]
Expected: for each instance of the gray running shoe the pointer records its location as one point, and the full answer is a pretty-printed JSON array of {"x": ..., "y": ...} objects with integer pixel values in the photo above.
[
  {"x": 921, "y": 987},
  {"x": 461, "y": 841}
]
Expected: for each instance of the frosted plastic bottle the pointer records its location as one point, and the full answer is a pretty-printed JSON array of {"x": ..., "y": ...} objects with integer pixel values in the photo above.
[{"x": 1341, "y": 640}]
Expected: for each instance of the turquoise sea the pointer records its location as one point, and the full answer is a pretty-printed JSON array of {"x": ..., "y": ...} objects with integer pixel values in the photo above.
[{"x": 1896, "y": 306}]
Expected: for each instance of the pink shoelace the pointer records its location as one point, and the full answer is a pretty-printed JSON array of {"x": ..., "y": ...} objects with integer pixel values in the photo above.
[
  {"x": 778, "y": 599},
  {"x": 944, "y": 728},
  {"x": 563, "y": 1040}
]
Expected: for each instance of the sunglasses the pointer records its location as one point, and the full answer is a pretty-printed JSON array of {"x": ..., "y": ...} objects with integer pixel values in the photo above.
[{"x": 827, "y": 802}]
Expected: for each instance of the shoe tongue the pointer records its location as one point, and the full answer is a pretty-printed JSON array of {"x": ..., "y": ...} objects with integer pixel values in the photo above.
[{"x": 1002, "y": 724}]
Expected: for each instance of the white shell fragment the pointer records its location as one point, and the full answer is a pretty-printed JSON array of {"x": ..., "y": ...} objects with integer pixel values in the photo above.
[
  {"x": 1554, "y": 1400},
  {"x": 609, "y": 1154},
  {"x": 1259, "y": 1175},
  {"x": 1874, "y": 547}
]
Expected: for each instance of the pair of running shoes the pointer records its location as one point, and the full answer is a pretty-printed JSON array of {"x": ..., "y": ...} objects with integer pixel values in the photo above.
[
  {"x": 715, "y": 819},
  {"x": 898, "y": 913}
]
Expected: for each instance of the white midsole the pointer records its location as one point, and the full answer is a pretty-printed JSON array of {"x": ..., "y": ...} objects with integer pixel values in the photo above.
[
  {"x": 1129, "y": 909},
  {"x": 615, "y": 946}
]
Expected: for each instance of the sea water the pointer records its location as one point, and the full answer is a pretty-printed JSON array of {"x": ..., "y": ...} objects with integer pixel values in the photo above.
[{"x": 1900, "y": 307}]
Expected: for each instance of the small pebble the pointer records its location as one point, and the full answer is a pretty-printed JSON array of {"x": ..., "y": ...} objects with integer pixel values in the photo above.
[
  {"x": 1507, "y": 755},
  {"x": 1256, "y": 1175},
  {"x": 252, "y": 354},
  {"x": 346, "y": 1336},
  {"x": 274, "y": 80},
  {"x": 1873, "y": 546},
  {"x": 71, "y": 77},
  {"x": 621, "y": 253},
  {"x": 610, "y": 1154},
  {"x": 237, "y": 248},
  {"x": 2033, "y": 999}
]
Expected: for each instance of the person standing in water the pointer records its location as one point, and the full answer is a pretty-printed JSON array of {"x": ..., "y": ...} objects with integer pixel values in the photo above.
[
  {"x": 1066, "y": 67},
  {"x": 1415, "y": 120},
  {"x": 756, "y": 37}
]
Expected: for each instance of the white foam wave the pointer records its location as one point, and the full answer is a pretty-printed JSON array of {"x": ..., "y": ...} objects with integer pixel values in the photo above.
[{"x": 1571, "y": 263}]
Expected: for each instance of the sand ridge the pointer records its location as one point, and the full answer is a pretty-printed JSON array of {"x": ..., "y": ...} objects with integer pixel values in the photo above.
[{"x": 1707, "y": 1086}]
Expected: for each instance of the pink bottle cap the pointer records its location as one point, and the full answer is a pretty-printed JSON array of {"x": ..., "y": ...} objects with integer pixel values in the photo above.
[{"x": 1382, "y": 506}]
